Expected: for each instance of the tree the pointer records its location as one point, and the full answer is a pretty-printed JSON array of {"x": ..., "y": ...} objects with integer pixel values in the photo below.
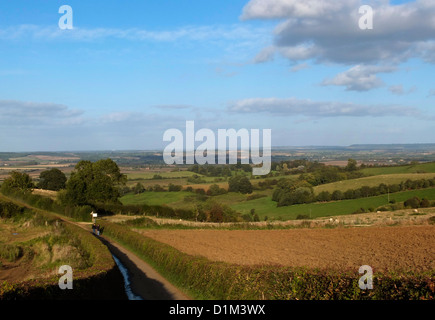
[
  {"x": 17, "y": 181},
  {"x": 216, "y": 213},
  {"x": 52, "y": 179},
  {"x": 324, "y": 196},
  {"x": 240, "y": 184},
  {"x": 351, "y": 165},
  {"x": 412, "y": 202},
  {"x": 215, "y": 190},
  {"x": 337, "y": 195},
  {"x": 96, "y": 182},
  {"x": 138, "y": 188},
  {"x": 425, "y": 203},
  {"x": 174, "y": 187}
]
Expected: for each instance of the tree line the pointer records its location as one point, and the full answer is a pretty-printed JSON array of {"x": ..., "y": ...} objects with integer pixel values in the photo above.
[{"x": 289, "y": 192}]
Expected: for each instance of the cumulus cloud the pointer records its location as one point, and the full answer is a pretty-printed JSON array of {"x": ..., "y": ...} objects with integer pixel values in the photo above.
[
  {"x": 328, "y": 31},
  {"x": 309, "y": 108},
  {"x": 400, "y": 90},
  {"x": 359, "y": 78},
  {"x": 37, "y": 113},
  {"x": 299, "y": 67},
  {"x": 273, "y": 9}
]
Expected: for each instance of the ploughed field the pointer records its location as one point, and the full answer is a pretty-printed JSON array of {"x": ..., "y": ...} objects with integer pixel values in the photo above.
[{"x": 400, "y": 248}]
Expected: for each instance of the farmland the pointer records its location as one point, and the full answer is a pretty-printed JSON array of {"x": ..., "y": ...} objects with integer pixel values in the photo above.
[
  {"x": 372, "y": 181},
  {"x": 402, "y": 248},
  {"x": 266, "y": 207},
  {"x": 202, "y": 215}
]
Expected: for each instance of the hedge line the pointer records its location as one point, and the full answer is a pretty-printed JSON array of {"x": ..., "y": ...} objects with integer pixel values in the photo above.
[
  {"x": 102, "y": 280},
  {"x": 206, "y": 279}
]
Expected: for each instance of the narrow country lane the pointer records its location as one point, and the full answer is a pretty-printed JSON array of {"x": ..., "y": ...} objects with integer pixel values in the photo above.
[{"x": 145, "y": 281}]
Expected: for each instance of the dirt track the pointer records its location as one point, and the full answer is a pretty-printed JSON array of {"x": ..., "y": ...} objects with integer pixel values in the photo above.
[
  {"x": 401, "y": 248},
  {"x": 145, "y": 281}
]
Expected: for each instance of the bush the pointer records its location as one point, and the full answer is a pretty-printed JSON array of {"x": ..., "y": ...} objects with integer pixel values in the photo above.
[
  {"x": 240, "y": 184},
  {"x": 425, "y": 203},
  {"x": 215, "y": 190},
  {"x": 9, "y": 209},
  {"x": 10, "y": 252},
  {"x": 174, "y": 188},
  {"x": 413, "y": 203}
]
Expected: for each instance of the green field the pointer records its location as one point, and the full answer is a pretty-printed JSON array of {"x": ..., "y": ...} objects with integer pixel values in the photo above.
[
  {"x": 372, "y": 181},
  {"x": 266, "y": 207},
  {"x": 148, "y": 175},
  {"x": 417, "y": 168},
  {"x": 155, "y": 198}
]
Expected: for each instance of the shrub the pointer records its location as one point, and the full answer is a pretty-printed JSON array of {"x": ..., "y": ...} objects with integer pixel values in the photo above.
[
  {"x": 425, "y": 203},
  {"x": 9, "y": 209},
  {"x": 412, "y": 203},
  {"x": 174, "y": 188}
]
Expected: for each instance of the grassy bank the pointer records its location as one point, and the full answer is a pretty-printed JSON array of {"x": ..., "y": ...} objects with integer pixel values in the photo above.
[{"x": 95, "y": 278}]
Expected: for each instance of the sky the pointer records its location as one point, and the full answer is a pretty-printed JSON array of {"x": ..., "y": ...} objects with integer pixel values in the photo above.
[{"x": 128, "y": 71}]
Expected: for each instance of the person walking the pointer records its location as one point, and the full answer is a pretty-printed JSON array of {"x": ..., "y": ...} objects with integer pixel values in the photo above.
[
  {"x": 94, "y": 227},
  {"x": 98, "y": 229}
]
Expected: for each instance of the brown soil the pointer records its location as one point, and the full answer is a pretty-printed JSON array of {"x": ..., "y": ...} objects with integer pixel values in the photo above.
[{"x": 402, "y": 248}]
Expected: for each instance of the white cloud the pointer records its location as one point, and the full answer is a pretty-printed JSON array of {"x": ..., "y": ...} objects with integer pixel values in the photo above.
[
  {"x": 400, "y": 90},
  {"x": 359, "y": 78},
  {"x": 328, "y": 31},
  {"x": 299, "y": 67},
  {"x": 273, "y": 9},
  {"x": 37, "y": 113},
  {"x": 309, "y": 108}
]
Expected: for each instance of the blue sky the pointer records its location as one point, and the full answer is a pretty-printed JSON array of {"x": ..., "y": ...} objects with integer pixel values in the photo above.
[{"x": 129, "y": 70}]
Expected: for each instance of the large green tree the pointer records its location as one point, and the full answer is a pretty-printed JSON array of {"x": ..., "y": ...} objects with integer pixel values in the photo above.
[
  {"x": 52, "y": 179},
  {"x": 240, "y": 183},
  {"x": 94, "y": 182}
]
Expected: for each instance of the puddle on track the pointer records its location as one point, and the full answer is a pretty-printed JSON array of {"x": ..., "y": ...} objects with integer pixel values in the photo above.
[{"x": 127, "y": 284}]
